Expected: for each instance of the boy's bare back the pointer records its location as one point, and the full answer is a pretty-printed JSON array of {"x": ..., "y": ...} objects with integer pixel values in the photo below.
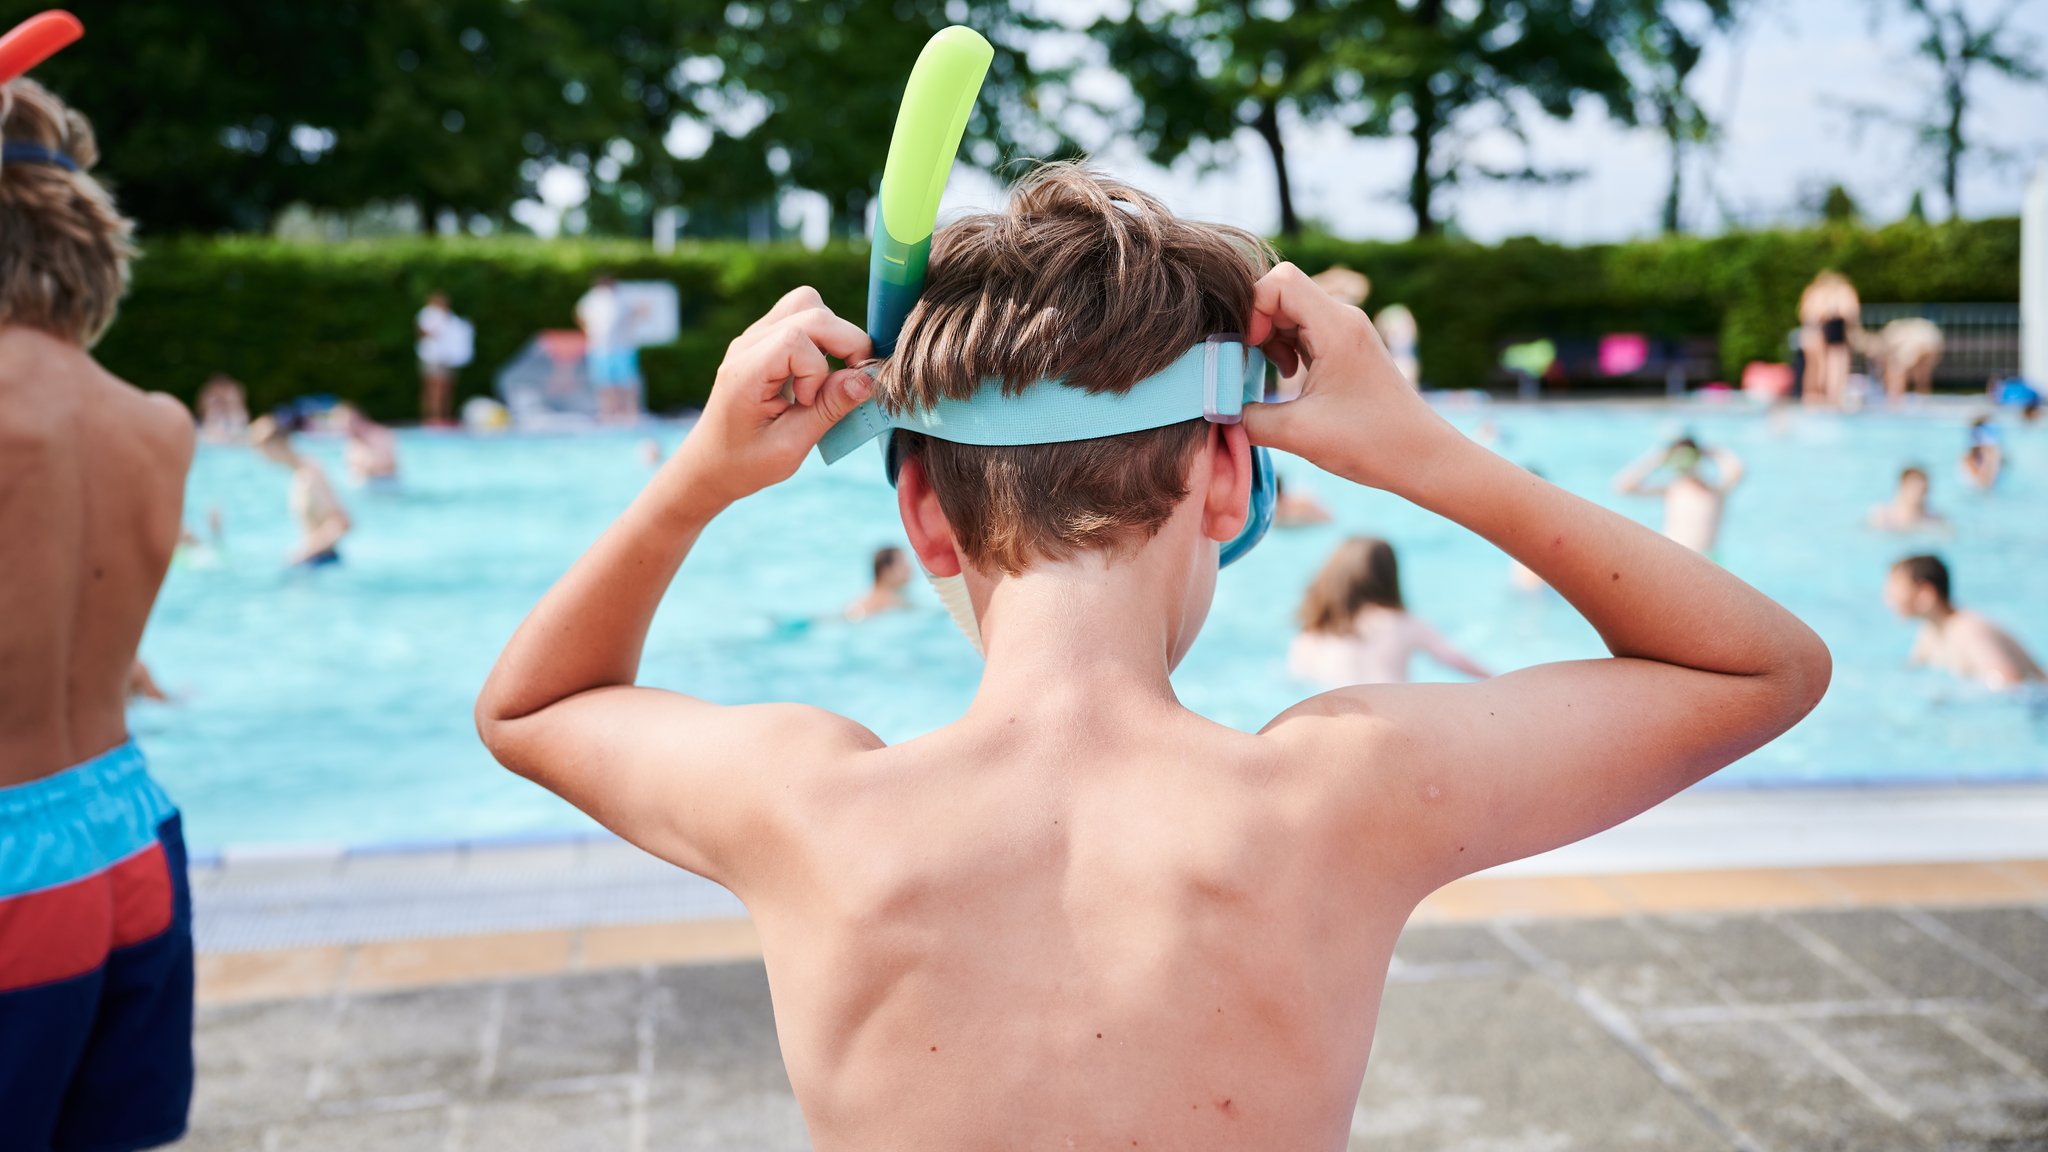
[
  {"x": 92, "y": 488},
  {"x": 1081, "y": 915}
]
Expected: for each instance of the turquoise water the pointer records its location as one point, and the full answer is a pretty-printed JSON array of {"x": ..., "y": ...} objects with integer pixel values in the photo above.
[{"x": 333, "y": 706}]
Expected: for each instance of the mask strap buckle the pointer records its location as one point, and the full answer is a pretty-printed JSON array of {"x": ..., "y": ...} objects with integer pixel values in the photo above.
[{"x": 1223, "y": 395}]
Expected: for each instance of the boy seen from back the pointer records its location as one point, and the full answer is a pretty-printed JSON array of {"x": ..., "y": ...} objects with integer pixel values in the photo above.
[{"x": 1082, "y": 915}]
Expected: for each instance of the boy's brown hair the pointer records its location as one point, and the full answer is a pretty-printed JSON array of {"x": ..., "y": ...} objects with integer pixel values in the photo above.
[
  {"x": 1083, "y": 279},
  {"x": 64, "y": 247}
]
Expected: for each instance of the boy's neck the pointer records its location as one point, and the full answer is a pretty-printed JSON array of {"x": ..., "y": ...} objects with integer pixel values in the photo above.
[{"x": 1086, "y": 634}]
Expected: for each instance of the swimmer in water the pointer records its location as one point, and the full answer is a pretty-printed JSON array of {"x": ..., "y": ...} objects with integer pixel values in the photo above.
[
  {"x": 1963, "y": 643},
  {"x": 892, "y": 576},
  {"x": 1907, "y": 510},
  {"x": 371, "y": 451},
  {"x": 322, "y": 519},
  {"x": 1984, "y": 460},
  {"x": 1693, "y": 503},
  {"x": 1298, "y": 509},
  {"x": 1355, "y": 629}
]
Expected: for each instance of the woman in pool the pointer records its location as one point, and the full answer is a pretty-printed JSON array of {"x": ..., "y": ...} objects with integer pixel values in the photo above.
[
  {"x": 322, "y": 519},
  {"x": 1354, "y": 629}
]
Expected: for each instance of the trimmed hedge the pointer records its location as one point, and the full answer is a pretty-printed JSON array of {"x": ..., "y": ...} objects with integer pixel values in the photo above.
[{"x": 289, "y": 319}]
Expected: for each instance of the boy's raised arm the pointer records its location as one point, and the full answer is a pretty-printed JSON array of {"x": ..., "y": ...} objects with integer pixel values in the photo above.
[
  {"x": 681, "y": 777},
  {"x": 1462, "y": 777}
]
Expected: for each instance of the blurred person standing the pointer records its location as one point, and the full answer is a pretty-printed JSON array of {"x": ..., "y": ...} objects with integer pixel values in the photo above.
[
  {"x": 446, "y": 342},
  {"x": 1830, "y": 325},
  {"x": 95, "y": 916},
  {"x": 607, "y": 354},
  {"x": 223, "y": 409}
]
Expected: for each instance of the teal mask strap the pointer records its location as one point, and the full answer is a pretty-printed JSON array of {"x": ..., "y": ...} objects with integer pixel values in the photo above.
[{"x": 1212, "y": 381}]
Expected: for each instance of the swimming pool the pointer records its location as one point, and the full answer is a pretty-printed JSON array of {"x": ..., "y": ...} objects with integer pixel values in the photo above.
[{"x": 334, "y": 706}]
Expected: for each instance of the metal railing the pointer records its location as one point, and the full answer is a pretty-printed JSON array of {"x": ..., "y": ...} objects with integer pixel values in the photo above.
[{"x": 1979, "y": 341}]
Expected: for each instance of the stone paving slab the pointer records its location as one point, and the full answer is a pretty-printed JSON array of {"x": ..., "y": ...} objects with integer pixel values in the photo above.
[{"x": 1872, "y": 1030}]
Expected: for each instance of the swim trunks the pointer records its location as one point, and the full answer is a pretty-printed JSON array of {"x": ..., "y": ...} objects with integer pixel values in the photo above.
[
  {"x": 612, "y": 368},
  {"x": 95, "y": 960},
  {"x": 320, "y": 559}
]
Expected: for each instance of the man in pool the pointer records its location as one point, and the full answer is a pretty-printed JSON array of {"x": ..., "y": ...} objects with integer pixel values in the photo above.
[
  {"x": 892, "y": 576},
  {"x": 1082, "y": 915},
  {"x": 1962, "y": 643},
  {"x": 95, "y": 927},
  {"x": 1693, "y": 501}
]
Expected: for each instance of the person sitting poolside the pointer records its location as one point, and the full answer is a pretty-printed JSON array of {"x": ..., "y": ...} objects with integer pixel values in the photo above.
[
  {"x": 892, "y": 576},
  {"x": 1693, "y": 502},
  {"x": 223, "y": 409},
  {"x": 1082, "y": 915},
  {"x": 1907, "y": 510},
  {"x": 1355, "y": 628},
  {"x": 1963, "y": 643},
  {"x": 322, "y": 519}
]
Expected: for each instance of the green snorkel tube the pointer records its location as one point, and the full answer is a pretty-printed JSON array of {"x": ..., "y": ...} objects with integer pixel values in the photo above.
[
  {"x": 933, "y": 117},
  {"x": 1212, "y": 380}
]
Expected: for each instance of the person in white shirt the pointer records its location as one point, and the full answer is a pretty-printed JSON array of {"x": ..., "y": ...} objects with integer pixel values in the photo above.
[
  {"x": 607, "y": 355},
  {"x": 436, "y": 328},
  {"x": 1354, "y": 628}
]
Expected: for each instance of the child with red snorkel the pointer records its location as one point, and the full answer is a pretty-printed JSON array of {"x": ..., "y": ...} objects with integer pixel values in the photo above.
[{"x": 95, "y": 932}]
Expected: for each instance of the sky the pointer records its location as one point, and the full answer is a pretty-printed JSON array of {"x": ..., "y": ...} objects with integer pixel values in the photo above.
[{"x": 1780, "y": 91}]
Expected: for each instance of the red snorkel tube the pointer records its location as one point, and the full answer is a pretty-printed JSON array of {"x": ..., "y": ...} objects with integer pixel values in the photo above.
[{"x": 35, "y": 40}]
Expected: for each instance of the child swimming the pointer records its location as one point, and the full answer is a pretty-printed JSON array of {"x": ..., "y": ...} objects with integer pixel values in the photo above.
[
  {"x": 1963, "y": 643},
  {"x": 1082, "y": 915},
  {"x": 1907, "y": 510},
  {"x": 1694, "y": 501},
  {"x": 1354, "y": 628}
]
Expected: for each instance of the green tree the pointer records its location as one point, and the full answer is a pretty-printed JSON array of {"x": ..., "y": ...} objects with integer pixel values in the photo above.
[
  {"x": 1959, "y": 46},
  {"x": 1665, "y": 41},
  {"x": 1437, "y": 72},
  {"x": 216, "y": 116},
  {"x": 1203, "y": 73}
]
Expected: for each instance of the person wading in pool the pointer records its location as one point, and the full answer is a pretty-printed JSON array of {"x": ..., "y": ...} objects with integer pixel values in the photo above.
[
  {"x": 322, "y": 520},
  {"x": 1694, "y": 502},
  {"x": 95, "y": 921},
  {"x": 1082, "y": 915},
  {"x": 1966, "y": 644},
  {"x": 892, "y": 576}
]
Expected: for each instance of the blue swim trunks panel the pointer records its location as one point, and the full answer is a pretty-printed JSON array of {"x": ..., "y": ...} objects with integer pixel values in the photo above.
[{"x": 95, "y": 961}]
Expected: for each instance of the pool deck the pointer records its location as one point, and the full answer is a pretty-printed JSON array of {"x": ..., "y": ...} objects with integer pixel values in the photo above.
[{"x": 1764, "y": 971}]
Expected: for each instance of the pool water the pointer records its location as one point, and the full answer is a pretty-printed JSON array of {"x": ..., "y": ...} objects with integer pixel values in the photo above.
[{"x": 334, "y": 706}]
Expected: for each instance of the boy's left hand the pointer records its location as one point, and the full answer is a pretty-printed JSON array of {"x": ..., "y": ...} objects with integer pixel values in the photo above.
[{"x": 775, "y": 395}]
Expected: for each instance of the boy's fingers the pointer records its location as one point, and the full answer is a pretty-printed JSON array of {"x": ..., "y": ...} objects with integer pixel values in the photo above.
[
  {"x": 1286, "y": 299},
  {"x": 1268, "y": 424},
  {"x": 799, "y": 299},
  {"x": 839, "y": 393}
]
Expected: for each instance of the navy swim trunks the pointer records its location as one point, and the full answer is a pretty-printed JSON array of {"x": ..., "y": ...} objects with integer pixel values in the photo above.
[{"x": 95, "y": 961}]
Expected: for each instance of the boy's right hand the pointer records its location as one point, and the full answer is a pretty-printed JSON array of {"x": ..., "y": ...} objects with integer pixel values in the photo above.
[{"x": 1357, "y": 416}]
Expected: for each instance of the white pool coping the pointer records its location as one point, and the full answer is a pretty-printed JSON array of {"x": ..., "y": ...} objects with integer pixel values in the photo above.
[{"x": 1808, "y": 827}]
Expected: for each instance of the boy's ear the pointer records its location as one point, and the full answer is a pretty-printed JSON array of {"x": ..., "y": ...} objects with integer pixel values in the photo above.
[
  {"x": 931, "y": 537},
  {"x": 1227, "y": 503}
]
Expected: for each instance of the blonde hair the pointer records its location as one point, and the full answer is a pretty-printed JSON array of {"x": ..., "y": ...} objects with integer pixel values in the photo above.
[
  {"x": 1361, "y": 571},
  {"x": 1085, "y": 280},
  {"x": 64, "y": 247}
]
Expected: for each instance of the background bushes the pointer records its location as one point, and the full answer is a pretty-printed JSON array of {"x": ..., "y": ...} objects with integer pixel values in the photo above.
[{"x": 290, "y": 319}]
